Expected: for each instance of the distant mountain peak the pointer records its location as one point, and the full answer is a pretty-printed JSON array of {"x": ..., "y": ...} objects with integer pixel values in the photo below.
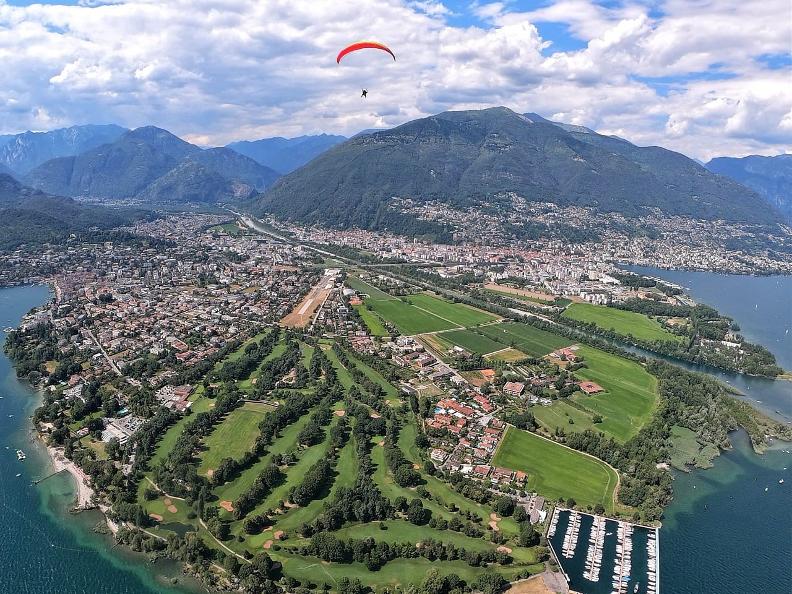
[
  {"x": 22, "y": 152},
  {"x": 151, "y": 163},
  {"x": 770, "y": 177}
]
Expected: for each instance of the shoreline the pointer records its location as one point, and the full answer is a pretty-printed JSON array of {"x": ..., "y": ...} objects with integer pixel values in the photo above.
[{"x": 84, "y": 493}]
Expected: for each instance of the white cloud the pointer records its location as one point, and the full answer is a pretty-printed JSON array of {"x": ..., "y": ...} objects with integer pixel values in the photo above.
[{"x": 228, "y": 69}]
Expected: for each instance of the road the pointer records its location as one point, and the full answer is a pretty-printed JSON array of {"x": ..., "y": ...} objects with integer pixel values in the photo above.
[{"x": 104, "y": 352}]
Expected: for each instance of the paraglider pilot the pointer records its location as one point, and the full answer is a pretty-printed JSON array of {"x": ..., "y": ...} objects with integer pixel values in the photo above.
[{"x": 364, "y": 93}]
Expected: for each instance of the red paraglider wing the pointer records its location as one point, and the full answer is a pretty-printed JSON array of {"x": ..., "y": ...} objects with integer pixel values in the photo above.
[{"x": 363, "y": 45}]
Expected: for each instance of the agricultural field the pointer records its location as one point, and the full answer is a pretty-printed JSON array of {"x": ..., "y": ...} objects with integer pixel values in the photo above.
[
  {"x": 423, "y": 313},
  {"x": 625, "y": 406},
  {"x": 456, "y": 313},
  {"x": 530, "y": 340},
  {"x": 622, "y": 322},
  {"x": 408, "y": 320},
  {"x": 509, "y": 355},
  {"x": 556, "y": 471},
  {"x": 473, "y": 342},
  {"x": 371, "y": 320},
  {"x": 361, "y": 286}
]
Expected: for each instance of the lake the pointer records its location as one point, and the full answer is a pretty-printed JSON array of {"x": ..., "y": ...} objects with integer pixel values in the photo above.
[{"x": 724, "y": 533}]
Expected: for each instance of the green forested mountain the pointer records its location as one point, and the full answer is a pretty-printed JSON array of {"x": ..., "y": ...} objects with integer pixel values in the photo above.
[
  {"x": 191, "y": 181},
  {"x": 469, "y": 156},
  {"x": 29, "y": 216},
  {"x": 150, "y": 163}
]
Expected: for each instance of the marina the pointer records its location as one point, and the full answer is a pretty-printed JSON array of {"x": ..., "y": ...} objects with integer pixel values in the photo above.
[{"x": 603, "y": 556}]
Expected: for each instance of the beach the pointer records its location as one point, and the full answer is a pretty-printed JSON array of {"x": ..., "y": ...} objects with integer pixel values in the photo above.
[{"x": 85, "y": 494}]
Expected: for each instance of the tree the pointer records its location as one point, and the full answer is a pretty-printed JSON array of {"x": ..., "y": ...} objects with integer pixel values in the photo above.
[
  {"x": 504, "y": 506},
  {"x": 571, "y": 502},
  {"x": 528, "y": 535},
  {"x": 417, "y": 514},
  {"x": 491, "y": 583},
  {"x": 406, "y": 476}
]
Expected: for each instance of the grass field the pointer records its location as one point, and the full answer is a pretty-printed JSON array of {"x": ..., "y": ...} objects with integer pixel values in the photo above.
[
  {"x": 527, "y": 339},
  {"x": 473, "y": 342},
  {"x": 625, "y": 406},
  {"x": 363, "y": 287},
  {"x": 345, "y": 473},
  {"x": 398, "y": 572},
  {"x": 294, "y": 476},
  {"x": 286, "y": 441},
  {"x": 530, "y": 299},
  {"x": 556, "y": 471},
  {"x": 458, "y": 314},
  {"x": 234, "y": 436},
  {"x": 408, "y": 320},
  {"x": 619, "y": 321},
  {"x": 630, "y": 396},
  {"x": 391, "y": 393},
  {"x": 371, "y": 320}
]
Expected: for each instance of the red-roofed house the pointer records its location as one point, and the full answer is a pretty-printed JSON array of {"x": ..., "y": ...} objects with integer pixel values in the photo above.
[
  {"x": 590, "y": 387},
  {"x": 513, "y": 388}
]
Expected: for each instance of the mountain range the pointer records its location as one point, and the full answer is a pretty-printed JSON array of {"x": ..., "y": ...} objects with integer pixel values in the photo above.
[
  {"x": 153, "y": 165},
  {"x": 465, "y": 158},
  {"x": 29, "y": 216},
  {"x": 770, "y": 177},
  {"x": 468, "y": 158},
  {"x": 284, "y": 155},
  {"x": 20, "y": 153}
]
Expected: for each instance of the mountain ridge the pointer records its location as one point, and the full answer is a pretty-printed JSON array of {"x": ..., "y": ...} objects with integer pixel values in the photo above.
[
  {"x": 130, "y": 166},
  {"x": 769, "y": 176},
  {"x": 284, "y": 155},
  {"x": 22, "y": 152},
  {"x": 468, "y": 156},
  {"x": 30, "y": 216}
]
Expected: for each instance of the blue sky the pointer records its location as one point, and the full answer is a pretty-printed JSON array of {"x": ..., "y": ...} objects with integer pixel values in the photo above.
[{"x": 705, "y": 77}]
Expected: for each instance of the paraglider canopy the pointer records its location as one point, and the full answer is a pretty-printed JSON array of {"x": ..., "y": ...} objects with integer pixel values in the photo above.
[{"x": 364, "y": 45}]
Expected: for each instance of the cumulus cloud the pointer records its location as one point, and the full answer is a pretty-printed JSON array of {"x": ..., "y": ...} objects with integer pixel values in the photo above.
[{"x": 220, "y": 70}]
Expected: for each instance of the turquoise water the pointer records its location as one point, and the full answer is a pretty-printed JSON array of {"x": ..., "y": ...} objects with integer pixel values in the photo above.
[{"x": 43, "y": 548}]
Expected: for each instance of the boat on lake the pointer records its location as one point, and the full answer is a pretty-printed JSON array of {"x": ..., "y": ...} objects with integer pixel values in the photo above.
[{"x": 20, "y": 455}]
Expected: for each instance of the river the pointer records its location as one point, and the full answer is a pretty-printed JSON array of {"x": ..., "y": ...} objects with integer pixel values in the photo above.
[
  {"x": 723, "y": 533},
  {"x": 44, "y": 549}
]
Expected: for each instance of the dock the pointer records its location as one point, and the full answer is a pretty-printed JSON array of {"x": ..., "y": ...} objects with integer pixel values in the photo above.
[
  {"x": 620, "y": 557},
  {"x": 50, "y": 475}
]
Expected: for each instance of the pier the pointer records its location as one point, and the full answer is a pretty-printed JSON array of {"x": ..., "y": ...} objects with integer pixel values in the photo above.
[{"x": 50, "y": 475}]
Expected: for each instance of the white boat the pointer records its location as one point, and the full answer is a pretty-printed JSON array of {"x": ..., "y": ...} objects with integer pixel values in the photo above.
[
  {"x": 781, "y": 482},
  {"x": 20, "y": 455}
]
